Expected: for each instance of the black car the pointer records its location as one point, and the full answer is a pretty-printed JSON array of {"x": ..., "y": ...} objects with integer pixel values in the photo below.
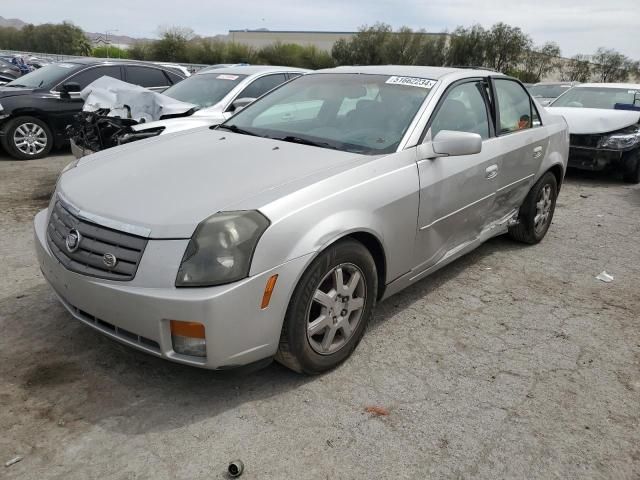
[
  {"x": 36, "y": 108},
  {"x": 8, "y": 71}
]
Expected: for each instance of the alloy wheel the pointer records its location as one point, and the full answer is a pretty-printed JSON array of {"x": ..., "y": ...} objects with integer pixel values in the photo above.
[
  {"x": 30, "y": 138},
  {"x": 336, "y": 308},
  {"x": 543, "y": 209}
]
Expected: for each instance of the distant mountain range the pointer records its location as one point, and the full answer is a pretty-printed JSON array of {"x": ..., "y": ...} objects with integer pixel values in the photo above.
[{"x": 93, "y": 37}]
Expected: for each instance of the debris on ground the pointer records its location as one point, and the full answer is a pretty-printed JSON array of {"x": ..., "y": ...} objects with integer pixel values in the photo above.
[
  {"x": 377, "y": 411},
  {"x": 235, "y": 468},
  {"x": 605, "y": 277},
  {"x": 13, "y": 461},
  {"x": 584, "y": 195}
]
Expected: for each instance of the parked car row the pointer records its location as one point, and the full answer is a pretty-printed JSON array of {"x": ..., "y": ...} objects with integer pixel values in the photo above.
[
  {"x": 36, "y": 109},
  {"x": 210, "y": 96},
  {"x": 274, "y": 233}
]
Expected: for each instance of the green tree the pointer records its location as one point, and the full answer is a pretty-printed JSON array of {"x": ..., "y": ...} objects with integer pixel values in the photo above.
[
  {"x": 467, "y": 47},
  {"x": 505, "y": 47},
  {"x": 402, "y": 47},
  {"x": 539, "y": 62},
  {"x": 612, "y": 66},
  {"x": 364, "y": 48},
  {"x": 109, "y": 51},
  {"x": 433, "y": 51},
  {"x": 172, "y": 46},
  {"x": 576, "y": 69}
]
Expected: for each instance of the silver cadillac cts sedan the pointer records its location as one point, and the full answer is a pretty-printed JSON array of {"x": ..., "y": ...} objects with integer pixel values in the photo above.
[{"x": 274, "y": 234}]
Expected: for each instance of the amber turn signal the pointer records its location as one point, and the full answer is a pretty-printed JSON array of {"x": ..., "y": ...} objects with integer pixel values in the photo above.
[
  {"x": 268, "y": 290},
  {"x": 187, "y": 329}
]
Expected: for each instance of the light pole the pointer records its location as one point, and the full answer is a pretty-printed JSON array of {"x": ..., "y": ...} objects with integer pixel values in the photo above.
[{"x": 106, "y": 36}]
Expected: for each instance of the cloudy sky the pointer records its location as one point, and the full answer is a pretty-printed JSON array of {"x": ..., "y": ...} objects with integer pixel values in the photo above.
[{"x": 578, "y": 26}]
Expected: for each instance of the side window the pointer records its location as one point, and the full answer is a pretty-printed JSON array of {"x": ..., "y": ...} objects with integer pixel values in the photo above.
[
  {"x": 173, "y": 78},
  {"x": 294, "y": 75},
  {"x": 85, "y": 77},
  {"x": 262, "y": 85},
  {"x": 463, "y": 110},
  {"x": 146, "y": 76},
  {"x": 515, "y": 109}
]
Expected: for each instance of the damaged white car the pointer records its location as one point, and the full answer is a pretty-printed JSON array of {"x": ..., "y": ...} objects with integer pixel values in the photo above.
[
  {"x": 116, "y": 112},
  {"x": 604, "y": 123}
]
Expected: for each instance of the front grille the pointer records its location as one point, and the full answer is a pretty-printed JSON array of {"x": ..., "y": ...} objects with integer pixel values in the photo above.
[
  {"x": 95, "y": 243},
  {"x": 121, "y": 333},
  {"x": 588, "y": 141}
]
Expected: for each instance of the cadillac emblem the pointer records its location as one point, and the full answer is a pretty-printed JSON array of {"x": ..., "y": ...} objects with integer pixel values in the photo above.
[{"x": 72, "y": 241}]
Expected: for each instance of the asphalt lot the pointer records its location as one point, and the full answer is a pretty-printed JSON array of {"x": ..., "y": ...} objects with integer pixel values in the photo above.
[{"x": 513, "y": 362}]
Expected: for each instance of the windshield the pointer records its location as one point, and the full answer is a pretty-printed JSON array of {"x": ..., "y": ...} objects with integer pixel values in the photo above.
[
  {"x": 45, "y": 77},
  {"x": 548, "y": 91},
  {"x": 204, "y": 90},
  {"x": 598, "y": 97},
  {"x": 352, "y": 112}
]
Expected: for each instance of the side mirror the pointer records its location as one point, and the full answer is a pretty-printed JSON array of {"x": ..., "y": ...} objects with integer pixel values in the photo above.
[
  {"x": 240, "y": 103},
  {"x": 448, "y": 143},
  {"x": 68, "y": 88}
]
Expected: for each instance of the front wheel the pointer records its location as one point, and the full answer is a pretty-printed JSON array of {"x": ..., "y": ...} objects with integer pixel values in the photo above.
[
  {"x": 632, "y": 167},
  {"x": 27, "y": 138},
  {"x": 536, "y": 211},
  {"x": 329, "y": 309}
]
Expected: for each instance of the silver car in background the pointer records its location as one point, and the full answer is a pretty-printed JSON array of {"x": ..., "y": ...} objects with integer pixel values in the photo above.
[
  {"x": 276, "y": 233},
  {"x": 547, "y": 92}
]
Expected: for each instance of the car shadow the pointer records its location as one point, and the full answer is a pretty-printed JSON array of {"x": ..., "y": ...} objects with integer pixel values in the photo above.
[{"x": 68, "y": 372}]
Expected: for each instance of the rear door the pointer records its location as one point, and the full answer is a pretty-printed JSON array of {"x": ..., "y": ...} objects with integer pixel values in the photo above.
[
  {"x": 67, "y": 107},
  {"x": 149, "y": 77},
  {"x": 457, "y": 192},
  {"x": 523, "y": 141}
]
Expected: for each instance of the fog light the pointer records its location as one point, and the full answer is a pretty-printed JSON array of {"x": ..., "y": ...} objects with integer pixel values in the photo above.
[{"x": 188, "y": 338}]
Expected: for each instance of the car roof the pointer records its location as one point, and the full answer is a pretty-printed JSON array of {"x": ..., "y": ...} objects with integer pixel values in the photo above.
[
  {"x": 557, "y": 83},
  {"x": 107, "y": 61},
  {"x": 251, "y": 70},
  {"x": 609, "y": 85},
  {"x": 433, "y": 73}
]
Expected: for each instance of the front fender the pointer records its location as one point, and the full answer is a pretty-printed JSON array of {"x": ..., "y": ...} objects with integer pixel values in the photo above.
[{"x": 380, "y": 198}]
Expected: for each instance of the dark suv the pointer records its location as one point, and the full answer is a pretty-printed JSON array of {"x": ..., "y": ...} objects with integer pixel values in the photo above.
[{"x": 36, "y": 108}]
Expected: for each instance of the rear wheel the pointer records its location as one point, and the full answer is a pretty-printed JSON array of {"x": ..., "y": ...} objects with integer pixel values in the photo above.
[
  {"x": 27, "y": 138},
  {"x": 632, "y": 167},
  {"x": 329, "y": 309},
  {"x": 536, "y": 211}
]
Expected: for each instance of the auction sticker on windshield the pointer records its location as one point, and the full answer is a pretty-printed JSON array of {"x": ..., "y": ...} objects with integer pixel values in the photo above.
[
  {"x": 411, "y": 81},
  {"x": 227, "y": 77}
]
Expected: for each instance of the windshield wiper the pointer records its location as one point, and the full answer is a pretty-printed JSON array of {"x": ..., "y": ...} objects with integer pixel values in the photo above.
[
  {"x": 304, "y": 141},
  {"x": 236, "y": 129},
  {"x": 15, "y": 85}
]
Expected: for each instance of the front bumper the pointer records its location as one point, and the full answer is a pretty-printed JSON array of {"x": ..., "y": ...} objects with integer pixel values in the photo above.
[
  {"x": 586, "y": 158},
  {"x": 79, "y": 151},
  {"x": 138, "y": 312}
]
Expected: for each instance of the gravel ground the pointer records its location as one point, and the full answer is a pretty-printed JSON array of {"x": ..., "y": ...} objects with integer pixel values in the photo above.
[{"x": 513, "y": 362}]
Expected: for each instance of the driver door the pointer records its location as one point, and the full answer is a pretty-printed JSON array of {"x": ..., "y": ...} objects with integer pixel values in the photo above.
[{"x": 456, "y": 192}]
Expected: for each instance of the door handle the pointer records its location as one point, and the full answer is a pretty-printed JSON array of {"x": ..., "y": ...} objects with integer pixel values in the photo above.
[
  {"x": 491, "y": 172},
  {"x": 537, "y": 152}
]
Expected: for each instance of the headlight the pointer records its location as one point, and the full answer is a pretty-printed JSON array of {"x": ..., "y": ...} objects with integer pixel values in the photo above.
[
  {"x": 221, "y": 249},
  {"x": 620, "y": 141}
]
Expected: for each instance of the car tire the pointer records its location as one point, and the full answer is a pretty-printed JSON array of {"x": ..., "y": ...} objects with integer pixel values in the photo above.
[
  {"x": 536, "y": 212},
  {"x": 315, "y": 337},
  {"x": 36, "y": 135},
  {"x": 632, "y": 167}
]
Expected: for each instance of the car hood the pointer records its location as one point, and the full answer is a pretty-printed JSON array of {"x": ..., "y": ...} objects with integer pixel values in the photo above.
[
  {"x": 169, "y": 184},
  {"x": 179, "y": 124},
  {"x": 14, "y": 91},
  {"x": 595, "y": 120}
]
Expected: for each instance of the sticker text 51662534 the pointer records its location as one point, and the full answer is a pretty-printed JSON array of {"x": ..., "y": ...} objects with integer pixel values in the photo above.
[{"x": 411, "y": 81}]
